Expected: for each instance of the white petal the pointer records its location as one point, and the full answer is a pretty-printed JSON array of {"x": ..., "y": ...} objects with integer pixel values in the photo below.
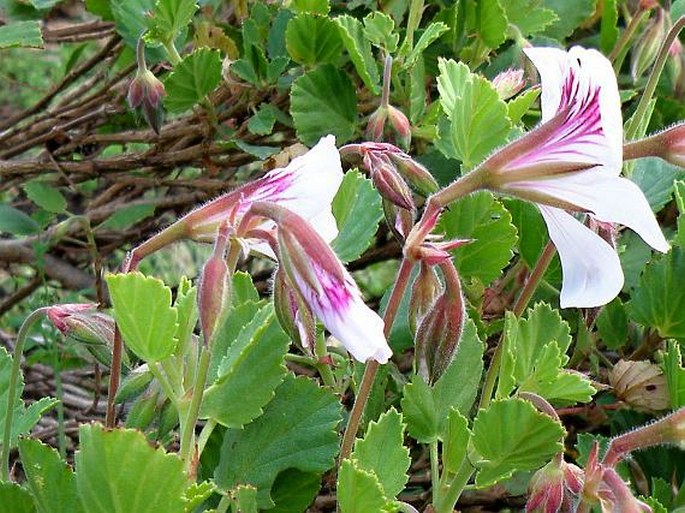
[
  {"x": 551, "y": 64},
  {"x": 360, "y": 330},
  {"x": 325, "y": 225},
  {"x": 591, "y": 270},
  {"x": 609, "y": 198}
]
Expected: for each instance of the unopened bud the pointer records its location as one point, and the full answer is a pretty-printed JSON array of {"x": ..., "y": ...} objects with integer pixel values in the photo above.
[
  {"x": 376, "y": 125},
  {"x": 214, "y": 290},
  {"x": 143, "y": 411},
  {"x": 620, "y": 497},
  {"x": 672, "y": 144},
  {"x": 546, "y": 490},
  {"x": 294, "y": 316},
  {"x": 647, "y": 46},
  {"x": 425, "y": 289},
  {"x": 508, "y": 83},
  {"x": 387, "y": 180},
  {"x": 401, "y": 126},
  {"x": 134, "y": 383},
  {"x": 414, "y": 173},
  {"x": 400, "y": 220},
  {"x": 439, "y": 332},
  {"x": 145, "y": 92}
]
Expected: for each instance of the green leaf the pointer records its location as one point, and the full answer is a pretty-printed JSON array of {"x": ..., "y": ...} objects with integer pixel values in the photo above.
[
  {"x": 196, "y": 494},
  {"x": 613, "y": 324},
  {"x": 659, "y": 300},
  {"x": 246, "y": 498},
  {"x": 297, "y": 430},
  {"x": 169, "y": 18},
  {"x": 679, "y": 193},
  {"x": 193, "y": 78},
  {"x": 312, "y": 39},
  {"x": 426, "y": 409},
  {"x": 608, "y": 34},
  {"x": 569, "y": 16},
  {"x": 357, "y": 210},
  {"x": 144, "y": 315},
  {"x": 655, "y": 177},
  {"x": 101, "y": 8},
  {"x": 677, "y": 9},
  {"x": 23, "y": 418},
  {"x": 45, "y": 196},
  {"x": 477, "y": 117},
  {"x": 431, "y": 34},
  {"x": 128, "y": 216},
  {"x": 131, "y": 22},
  {"x": 294, "y": 490},
  {"x": 359, "y": 49},
  {"x": 381, "y": 453},
  {"x": 519, "y": 106},
  {"x": 117, "y": 471},
  {"x": 15, "y": 499},
  {"x": 530, "y": 228},
  {"x": 358, "y": 490},
  {"x": 239, "y": 393},
  {"x": 262, "y": 122},
  {"x": 15, "y": 222},
  {"x": 50, "y": 479},
  {"x": 512, "y": 435},
  {"x": 323, "y": 102},
  {"x": 379, "y": 28},
  {"x": 313, "y": 6},
  {"x": 529, "y": 16},
  {"x": 186, "y": 306},
  {"x": 21, "y": 33},
  {"x": 44, "y": 4},
  {"x": 242, "y": 289},
  {"x": 456, "y": 442},
  {"x": 482, "y": 218},
  {"x": 634, "y": 256},
  {"x": 675, "y": 375},
  {"x": 491, "y": 22}
]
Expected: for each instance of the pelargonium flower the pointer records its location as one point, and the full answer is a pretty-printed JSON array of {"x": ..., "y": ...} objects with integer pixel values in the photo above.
[
  {"x": 307, "y": 185},
  {"x": 315, "y": 273},
  {"x": 571, "y": 164}
]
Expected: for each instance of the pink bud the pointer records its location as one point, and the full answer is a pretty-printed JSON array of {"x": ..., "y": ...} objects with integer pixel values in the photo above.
[
  {"x": 401, "y": 126},
  {"x": 387, "y": 180},
  {"x": 415, "y": 173},
  {"x": 672, "y": 144},
  {"x": 146, "y": 93},
  {"x": 508, "y": 83},
  {"x": 376, "y": 124},
  {"x": 546, "y": 490},
  {"x": 59, "y": 314},
  {"x": 214, "y": 290},
  {"x": 425, "y": 289},
  {"x": 293, "y": 314}
]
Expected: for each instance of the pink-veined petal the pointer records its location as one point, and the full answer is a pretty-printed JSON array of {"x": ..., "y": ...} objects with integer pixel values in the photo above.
[
  {"x": 591, "y": 269},
  {"x": 608, "y": 198}
]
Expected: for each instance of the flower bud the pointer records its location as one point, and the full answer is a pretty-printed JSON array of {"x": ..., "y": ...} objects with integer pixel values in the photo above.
[
  {"x": 213, "y": 296},
  {"x": 413, "y": 172},
  {"x": 555, "y": 487},
  {"x": 647, "y": 46},
  {"x": 143, "y": 411},
  {"x": 508, "y": 83},
  {"x": 376, "y": 125},
  {"x": 294, "y": 316},
  {"x": 387, "y": 180},
  {"x": 619, "y": 496},
  {"x": 399, "y": 220},
  {"x": 145, "y": 92},
  {"x": 134, "y": 383},
  {"x": 439, "y": 332},
  {"x": 425, "y": 289},
  {"x": 672, "y": 144},
  {"x": 401, "y": 126}
]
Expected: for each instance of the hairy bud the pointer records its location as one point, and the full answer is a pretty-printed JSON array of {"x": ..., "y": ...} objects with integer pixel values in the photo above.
[
  {"x": 213, "y": 296},
  {"x": 508, "y": 83}
]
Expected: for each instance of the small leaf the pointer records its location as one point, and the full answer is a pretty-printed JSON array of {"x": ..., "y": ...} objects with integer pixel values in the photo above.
[
  {"x": 655, "y": 177},
  {"x": 569, "y": 16},
  {"x": 323, "y": 102},
  {"x": 512, "y": 435},
  {"x": 15, "y": 222},
  {"x": 45, "y": 196},
  {"x": 456, "y": 442},
  {"x": 379, "y": 28},
  {"x": 529, "y": 16},
  {"x": 243, "y": 290},
  {"x": 675, "y": 375},
  {"x": 358, "y": 490},
  {"x": 239, "y": 393},
  {"x": 168, "y": 18},
  {"x": 381, "y": 452},
  {"x": 613, "y": 324},
  {"x": 482, "y": 218},
  {"x": 144, "y": 315},
  {"x": 21, "y": 34},
  {"x": 357, "y": 210},
  {"x": 50, "y": 479},
  {"x": 313, "y": 6},
  {"x": 117, "y": 471},
  {"x": 15, "y": 499},
  {"x": 246, "y": 498},
  {"x": 193, "y": 78},
  {"x": 352, "y": 34},
  {"x": 431, "y": 34},
  {"x": 491, "y": 22},
  {"x": 297, "y": 430},
  {"x": 128, "y": 216},
  {"x": 518, "y": 107},
  {"x": 477, "y": 117},
  {"x": 262, "y": 123},
  {"x": 608, "y": 34},
  {"x": 659, "y": 300},
  {"x": 313, "y": 39},
  {"x": 294, "y": 490},
  {"x": 679, "y": 193}
]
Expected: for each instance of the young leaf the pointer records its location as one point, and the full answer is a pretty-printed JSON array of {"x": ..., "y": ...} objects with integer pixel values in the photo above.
[
  {"x": 323, "y": 102},
  {"x": 357, "y": 210},
  {"x": 381, "y": 453},
  {"x": 144, "y": 315},
  {"x": 15, "y": 222},
  {"x": 518, "y": 107},
  {"x": 168, "y": 18},
  {"x": 512, "y": 435},
  {"x": 21, "y": 33},
  {"x": 352, "y": 34},
  {"x": 529, "y": 16},
  {"x": 15, "y": 499},
  {"x": 659, "y": 300},
  {"x": 297, "y": 430},
  {"x": 613, "y": 324},
  {"x": 456, "y": 442},
  {"x": 246, "y": 498},
  {"x": 313, "y": 6},
  {"x": 431, "y": 34},
  {"x": 262, "y": 123},
  {"x": 50, "y": 479},
  {"x": 128, "y": 216},
  {"x": 358, "y": 490},
  {"x": 242, "y": 289},
  {"x": 239, "y": 393},
  {"x": 312, "y": 39},
  {"x": 675, "y": 374},
  {"x": 482, "y": 218},
  {"x": 491, "y": 22},
  {"x": 608, "y": 33},
  {"x": 379, "y": 28},
  {"x": 477, "y": 118},
  {"x": 117, "y": 471},
  {"x": 193, "y": 78},
  {"x": 46, "y": 197}
]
